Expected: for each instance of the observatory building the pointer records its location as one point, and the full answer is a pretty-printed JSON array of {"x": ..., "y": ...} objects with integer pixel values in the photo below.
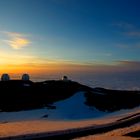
[
  {"x": 65, "y": 78},
  {"x": 5, "y": 77},
  {"x": 25, "y": 77}
]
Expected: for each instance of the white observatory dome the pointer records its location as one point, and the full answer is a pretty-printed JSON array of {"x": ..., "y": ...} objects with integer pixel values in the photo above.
[
  {"x": 5, "y": 77},
  {"x": 25, "y": 77}
]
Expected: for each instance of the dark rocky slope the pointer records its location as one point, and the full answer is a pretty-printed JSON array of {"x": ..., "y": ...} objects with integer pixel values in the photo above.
[
  {"x": 112, "y": 100},
  {"x": 22, "y": 95}
]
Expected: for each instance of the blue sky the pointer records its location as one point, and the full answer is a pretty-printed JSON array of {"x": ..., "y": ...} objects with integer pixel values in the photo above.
[{"x": 70, "y": 31}]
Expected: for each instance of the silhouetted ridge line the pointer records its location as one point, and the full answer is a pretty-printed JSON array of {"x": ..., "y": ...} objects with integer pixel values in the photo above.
[{"x": 24, "y": 94}]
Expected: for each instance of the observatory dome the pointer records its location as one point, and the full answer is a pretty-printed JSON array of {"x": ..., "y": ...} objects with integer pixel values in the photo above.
[
  {"x": 25, "y": 77},
  {"x": 5, "y": 77}
]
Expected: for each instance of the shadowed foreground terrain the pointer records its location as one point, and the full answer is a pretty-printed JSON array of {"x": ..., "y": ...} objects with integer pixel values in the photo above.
[
  {"x": 88, "y": 129},
  {"x": 58, "y": 96},
  {"x": 18, "y": 95}
]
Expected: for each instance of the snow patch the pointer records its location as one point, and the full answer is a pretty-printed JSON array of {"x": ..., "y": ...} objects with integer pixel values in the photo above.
[
  {"x": 22, "y": 115},
  {"x": 74, "y": 108}
]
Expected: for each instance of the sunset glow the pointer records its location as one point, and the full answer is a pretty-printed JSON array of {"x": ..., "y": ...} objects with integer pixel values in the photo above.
[{"x": 69, "y": 36}]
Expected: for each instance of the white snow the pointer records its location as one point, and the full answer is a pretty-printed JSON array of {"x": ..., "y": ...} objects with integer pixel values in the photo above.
[
  {"x": 26, "y": 85},
  {"x": 74, "y": 108}
]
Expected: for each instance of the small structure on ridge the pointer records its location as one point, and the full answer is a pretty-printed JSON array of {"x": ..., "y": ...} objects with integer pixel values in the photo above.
[{"x": 65, "y": 78}]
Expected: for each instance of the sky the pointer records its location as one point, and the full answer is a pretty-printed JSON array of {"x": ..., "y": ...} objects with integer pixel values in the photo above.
[{"x": 49, "y": 36}]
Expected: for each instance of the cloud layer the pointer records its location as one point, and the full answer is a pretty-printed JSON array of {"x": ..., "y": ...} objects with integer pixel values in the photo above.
[{"x": 16, "y": 40}]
